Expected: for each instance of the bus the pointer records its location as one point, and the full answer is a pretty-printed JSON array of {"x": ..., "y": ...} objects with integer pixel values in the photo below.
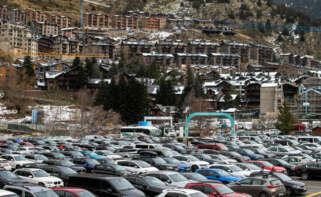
[{"x": 140, "y": 131}]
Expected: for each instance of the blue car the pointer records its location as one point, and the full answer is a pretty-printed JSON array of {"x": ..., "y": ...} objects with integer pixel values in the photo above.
[
  {"x": 183, "y": 167},
  {"x": 218, "y": 175},
  {"x": 91, "y": 154},
  {"x": 250, "y": 154}
]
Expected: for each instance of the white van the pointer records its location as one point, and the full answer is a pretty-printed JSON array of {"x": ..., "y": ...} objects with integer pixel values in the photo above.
[
  {"x": 309, "y": 139},
  {"x": 5, "y": 193}
]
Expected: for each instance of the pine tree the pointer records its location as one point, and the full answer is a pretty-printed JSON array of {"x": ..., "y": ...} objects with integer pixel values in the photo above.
[
  {"x": 104, "y": 97},
  {"x": 285, "y": 121},
  {"x": 190, "y": 76},
  {"x": 166, "y": 94},
  {"x": 259, "y": 3},
  {"x": 198, "y": 87},
  {"x": 82, "y": 78},
  {"x": 27, "y": 65},
  {"x": 135, "y": 104}
]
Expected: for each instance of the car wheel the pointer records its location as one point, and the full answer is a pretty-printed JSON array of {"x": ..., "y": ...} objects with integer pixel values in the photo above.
[
  {"x": 305, "y": 176},
  {"x": 194, "y": 168},
  {"x": 263, "y": 194},
  {"x": 225, "y": 183}
]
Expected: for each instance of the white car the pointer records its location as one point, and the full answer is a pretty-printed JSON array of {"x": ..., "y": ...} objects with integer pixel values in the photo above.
[
  {"x": 136, "y": 166},
  {"x": 5, "y": 193},
  {"x": 283, "y": 150},
  {"x": 4, "y": 165},
  {"x": 232, "y": 169},
  {"x": 193, "y": 161},
  {"x": 38, "y": 176},
  {"x": 251, "y": 168},
  {"x": 108, "y": 155},
  {"x": 181, "y": 192},
  {"x": 16, "y": 161}
]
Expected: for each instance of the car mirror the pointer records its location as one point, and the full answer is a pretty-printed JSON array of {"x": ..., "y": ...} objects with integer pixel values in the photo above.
[
  {"x": 168, "y": 181},
  {"x": 30, "y": 176}
]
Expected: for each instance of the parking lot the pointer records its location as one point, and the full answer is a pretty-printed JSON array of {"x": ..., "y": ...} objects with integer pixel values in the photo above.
[{"x": 313, "y": 186}]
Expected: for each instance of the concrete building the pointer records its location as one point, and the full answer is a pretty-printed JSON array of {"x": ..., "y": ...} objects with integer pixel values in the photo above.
[
  {"x": 271, "y": 98},
  {"x": 17, "y": 39},
  {"x": 47, "y": 29}
]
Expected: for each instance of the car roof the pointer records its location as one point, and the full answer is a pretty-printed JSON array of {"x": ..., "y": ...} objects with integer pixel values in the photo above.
[
  {"x": 69, "y": 189},
  {"x": 5, "y": 192},
  {"x": 28, "y": 187},
  {"x": 29, "y": 169},
  {"x": 163, "y": 172},
  {"x": 96, "y": 176},
  {"x": 185, "y": 191}
]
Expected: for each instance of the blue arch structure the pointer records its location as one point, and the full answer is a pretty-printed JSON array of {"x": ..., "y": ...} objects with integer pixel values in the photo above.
[{"x": 215, "y": 114}]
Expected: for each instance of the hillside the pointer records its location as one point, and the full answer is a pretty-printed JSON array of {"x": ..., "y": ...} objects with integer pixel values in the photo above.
[
  {"x": 309, "y": 6},
  {"x": 257, "y": 21}
]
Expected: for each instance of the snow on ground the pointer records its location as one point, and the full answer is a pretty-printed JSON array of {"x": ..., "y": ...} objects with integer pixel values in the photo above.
[
  {"x": 58, "y": 113},
  {"x": 162, "y": 35}
]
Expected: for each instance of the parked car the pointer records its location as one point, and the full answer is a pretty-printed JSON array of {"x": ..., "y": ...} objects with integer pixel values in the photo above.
[
  {"x": 6, "y": 193},
  {"x": 102, "y": 185},
  {"x": 182, "y": 193},
  {"x": 292, "y": 186},
  {"x": 9, "y": 178},
  {"x": 136, "y": 166},
  {"x": 72, "y": 192},
  {"x": 171, "y": 178},
  {"x": 151, "y": 186},
  {"x": 309, "y": 171},
  {"x": 38, "y": 176},
  {"x": 112, "y": 169},
  {"x": 232, "y": 169},
  {"x": 218, "y": 175},
  {"x": 25, "y": 190},
  {"x": 260, "y": 187},
  {"x": 215, "y": 189},
  {"x": 267, "y": 166},
  {"x": 16, "y": 161},
  {"x": 283, "y": 163}
]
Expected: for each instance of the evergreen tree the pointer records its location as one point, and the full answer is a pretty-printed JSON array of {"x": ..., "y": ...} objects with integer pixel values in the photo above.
[
  {"x": 190, "y": 76},
  {"x": 166, "y": 94},
  {"x": 82, "y": 78},
  {"x": 141, "y": 71},
  {"x": 27, "y": 65},
  {"x": 89, "y": 67},
  {"x": 259, "y": 3},
  {"x": 135, "y": 104},
  {"x": 285, "y": 121},
  {"x": 198, "y": 86},
  {"x": 154, "y": 70},
  {"x": 104, "y": 96}
]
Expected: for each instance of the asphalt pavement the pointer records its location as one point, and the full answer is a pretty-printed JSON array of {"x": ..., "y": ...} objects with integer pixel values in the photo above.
[{"x": 313, "y": 187}]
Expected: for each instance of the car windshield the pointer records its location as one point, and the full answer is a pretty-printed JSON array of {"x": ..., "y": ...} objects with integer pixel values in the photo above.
[
  {"x": 68, "y": 171},
  {"x": 171, "y": 160},
  {"x": 66, "y": 163},
  {"x": 119, "y": 168},
  {"x": 84, "y": 193},
  {"x": 276, "y": 182},
  {"x": 282, "y": 176},
  {"x": 198, "y": 194},
  {"x": 267, "y": 164},
  {"x": 223, "y": 173},
  {"x": 248, "y": 151},
  {"x": 143, "y": 164},
  {"x": 252, "y": 167},
  {"x": 235, "y": 168},
  {"x": 222, "y": 189},
  {"x": 92, "y": 162},
  {"x": 154, "y": 182},
  {"x": 19, "y": 158},
  {"x": 289, "y": 148},
  {"x": 159, "y": 160},
  {"x": 305, "y": 156},
  {"x": 206, "y": 157},
  {"x": 192, "y": 158},
  {"x": 40, "y": 173},
  {"x": 283, "y": 162},
  {"x": 8, "y": 175},
  {"x": 48, "y": 193},
  {"x": 77, "y": 154},
  {"x": 196, "y": 176},
  {"x": 121, "y": 184},
  {"x": 177, "y": 177},
  {"x": 41, "y": 157}
]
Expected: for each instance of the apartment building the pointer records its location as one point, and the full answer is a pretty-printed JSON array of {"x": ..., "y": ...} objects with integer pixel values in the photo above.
[
  {"x": 46, "y": 29},
  {"x": 92, "y": 20},
  {"x": 18, "y": 39}
]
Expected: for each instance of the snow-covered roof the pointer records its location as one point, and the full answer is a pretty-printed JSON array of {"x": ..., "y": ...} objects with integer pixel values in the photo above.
[
  {"x": 269, "y": 85},
  {"x": 53, "y": 75}
]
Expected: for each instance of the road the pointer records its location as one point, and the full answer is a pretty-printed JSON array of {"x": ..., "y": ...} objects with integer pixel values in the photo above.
[{"x": 313, "y": 186}]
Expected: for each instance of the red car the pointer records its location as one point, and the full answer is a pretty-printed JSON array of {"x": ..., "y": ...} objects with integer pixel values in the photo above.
[
  {"x": 267, "y": 166},
  {"x": 215, "y": 189},
  {"x": 72, "y": 192},
  {"x": 218, "y": 147}
]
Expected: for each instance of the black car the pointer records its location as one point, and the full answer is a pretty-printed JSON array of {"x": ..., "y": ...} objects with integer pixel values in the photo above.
[
  {"x": 59, "y": 171},
  {"x": 9, "y": 178},
  {"x": 88, "y": 164},
  {"x": 151, "y": 186},
  {"x": 102, "y": 185},
  {"x": 205, "y": 157},
  {"x": 54, "y": 155},
  {"x": 112, "y": 169},
  {"x": 65, "y": 163},
  {"x": 290, "y": 169},
  {"x": 309, "y": 170},
  {"x": 292, "y": 186},
  {"x": 159, "y": 163}
]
